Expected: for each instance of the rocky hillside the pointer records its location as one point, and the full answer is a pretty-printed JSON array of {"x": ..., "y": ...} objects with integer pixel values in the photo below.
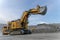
[{"x": 45, "y": 28}]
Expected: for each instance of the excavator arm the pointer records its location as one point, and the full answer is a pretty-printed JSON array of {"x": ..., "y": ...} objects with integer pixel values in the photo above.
[{"x": 37, "y": 10}]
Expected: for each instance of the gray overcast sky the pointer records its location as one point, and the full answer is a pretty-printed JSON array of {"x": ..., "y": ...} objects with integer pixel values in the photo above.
[{"x": 13, "y": 9}]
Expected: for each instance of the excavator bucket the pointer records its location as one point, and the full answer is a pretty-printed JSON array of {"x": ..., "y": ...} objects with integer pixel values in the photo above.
[
  {"x": 43, "y": 10},
  {"x": 39, "y": 10}
]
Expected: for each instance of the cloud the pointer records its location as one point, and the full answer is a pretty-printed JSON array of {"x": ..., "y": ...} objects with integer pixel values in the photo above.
[
  {"x": 14, "y": 10},
  {"x": 9, "y": 14}
]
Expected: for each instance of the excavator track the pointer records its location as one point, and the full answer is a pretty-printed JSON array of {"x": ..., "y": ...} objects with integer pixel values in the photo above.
[{"x": 21, "y": 32}]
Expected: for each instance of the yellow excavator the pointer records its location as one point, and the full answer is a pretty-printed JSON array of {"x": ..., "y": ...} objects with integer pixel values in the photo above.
[{"x": 20, "y": 26}]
